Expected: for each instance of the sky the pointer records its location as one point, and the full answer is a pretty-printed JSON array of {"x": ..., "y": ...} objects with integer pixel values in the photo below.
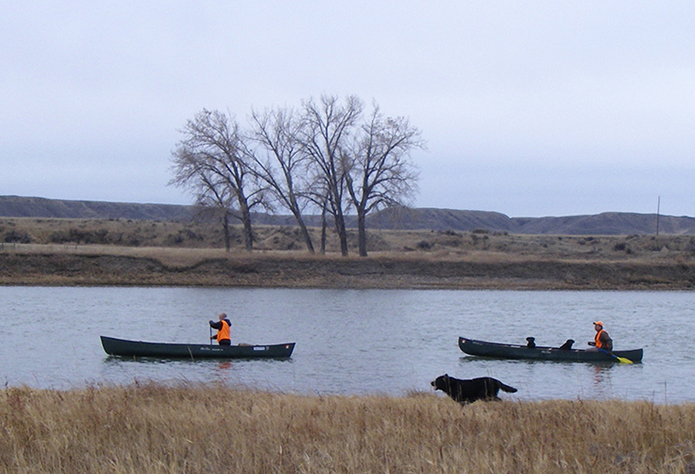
[{"x": 528, "y": 108}]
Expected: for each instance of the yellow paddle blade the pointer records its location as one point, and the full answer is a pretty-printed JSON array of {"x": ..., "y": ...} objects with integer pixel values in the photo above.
[{"x": 623, "y": 360}]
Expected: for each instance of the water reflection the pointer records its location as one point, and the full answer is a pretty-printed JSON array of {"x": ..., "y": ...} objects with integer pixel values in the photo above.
[{"x": 603, "y": 387}]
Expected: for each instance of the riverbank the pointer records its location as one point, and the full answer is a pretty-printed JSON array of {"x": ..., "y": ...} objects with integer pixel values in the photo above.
[
  {"x": 157, "y": 429},
  {"x": 124, "y": 266},
  {"x": 97, "y": 252}
]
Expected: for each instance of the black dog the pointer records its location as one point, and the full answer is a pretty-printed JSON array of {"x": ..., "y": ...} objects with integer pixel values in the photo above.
[
  {"x": 531, "y": 342},
  {"x": 567, "y": 345},
  {"x": 468, "y": 391}
]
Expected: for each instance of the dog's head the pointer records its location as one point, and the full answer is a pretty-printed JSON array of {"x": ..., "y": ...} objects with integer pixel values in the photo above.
[
  {"x": 567, "y": 345},
  {"x": 443, "y": 382}
]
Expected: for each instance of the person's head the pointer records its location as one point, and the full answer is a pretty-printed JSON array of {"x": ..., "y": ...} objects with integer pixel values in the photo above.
[
  {"x": 598, "y": 325},
  {"x": 223, "y": 316}
]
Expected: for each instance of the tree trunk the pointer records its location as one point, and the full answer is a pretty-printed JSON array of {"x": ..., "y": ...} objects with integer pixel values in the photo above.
[
  {"x": 227, "y": 237},
  {"x": 246, "y": 221},
  {"x": 362, "y": 232},
  {"x": 342, "y": 233},
  {"x": 324, "y": 225},
  {"x": 304, "y": 231},
  {"x": 248, "y": 232},
  {"x": 307, "y": 237}
]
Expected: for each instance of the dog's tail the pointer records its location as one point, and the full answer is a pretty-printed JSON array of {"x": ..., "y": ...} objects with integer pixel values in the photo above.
[{"x": 507, "y": 388}]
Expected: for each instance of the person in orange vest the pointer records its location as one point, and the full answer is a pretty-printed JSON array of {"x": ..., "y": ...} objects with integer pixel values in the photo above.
[
  {"x": 223, "y": 330},
  {"x": 602, "y": 340}
]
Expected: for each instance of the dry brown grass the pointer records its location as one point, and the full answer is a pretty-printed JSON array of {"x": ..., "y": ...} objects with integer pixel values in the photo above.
[
  {"x": 185, "y": 429},
  {"x": 125, "y": 236}
]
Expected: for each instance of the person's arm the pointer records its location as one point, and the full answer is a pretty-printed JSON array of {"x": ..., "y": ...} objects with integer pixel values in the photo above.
[
  {"x": 215, "y": 324},
  {"x": 606, "y": 341}
]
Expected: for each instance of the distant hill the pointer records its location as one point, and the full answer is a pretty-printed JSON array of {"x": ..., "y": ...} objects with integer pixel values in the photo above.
[
  {"x": 608, "y": 223},
  {"x": 15, "y": 206}
]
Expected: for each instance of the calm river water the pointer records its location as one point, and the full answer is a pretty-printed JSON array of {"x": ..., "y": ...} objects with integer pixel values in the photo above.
[{"x": 350, "y": 341}]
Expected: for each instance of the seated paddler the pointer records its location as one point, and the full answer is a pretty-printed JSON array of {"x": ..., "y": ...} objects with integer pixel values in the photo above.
[
  {"x": 223, "y": 330},
  {"x": 602, "y": 341}
]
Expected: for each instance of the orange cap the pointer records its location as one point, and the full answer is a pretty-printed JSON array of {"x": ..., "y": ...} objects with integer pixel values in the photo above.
[{"x": 600, "y": 323}]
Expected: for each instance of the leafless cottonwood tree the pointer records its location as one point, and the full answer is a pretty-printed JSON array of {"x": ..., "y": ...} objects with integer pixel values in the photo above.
[
  {"x": 325, "y": 156},
  {"x": 209, "y": 160},
  {"x": 324, "y": 135},
  {"x": 380, "y": 173},
  {"x": 281, "y": 164},
  {"x": 212, "y": 198}
]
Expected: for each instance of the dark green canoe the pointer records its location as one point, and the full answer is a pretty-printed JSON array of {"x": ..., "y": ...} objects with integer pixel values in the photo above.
[
  {"x": 123, "y": 347},
  {"x": 514, "y": 351}
]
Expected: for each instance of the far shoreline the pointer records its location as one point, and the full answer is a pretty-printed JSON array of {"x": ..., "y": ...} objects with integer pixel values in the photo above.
[{"x": 152, "y": 267}]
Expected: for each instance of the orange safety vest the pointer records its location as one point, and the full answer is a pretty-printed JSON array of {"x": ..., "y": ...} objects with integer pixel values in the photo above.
[
  {"x": 599, "y": 344},
  {"x": 223, "y": 333}
]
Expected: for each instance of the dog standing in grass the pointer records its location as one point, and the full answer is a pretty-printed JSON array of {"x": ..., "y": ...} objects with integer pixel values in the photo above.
[{"x": 468, "y": 391}]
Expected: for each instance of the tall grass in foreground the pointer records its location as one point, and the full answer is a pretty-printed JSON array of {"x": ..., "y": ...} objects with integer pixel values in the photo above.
[{"x": 192, "y": 429}]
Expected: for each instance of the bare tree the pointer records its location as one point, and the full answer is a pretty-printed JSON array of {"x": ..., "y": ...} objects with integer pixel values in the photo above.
[
  {"x": 211, "y": 197},
  {"x": 381, "y": 174},
  {"x": 324, "y": 157},
  {"x": 324, "y": 135},
  {"x": 283, "y": 167},
  {"x": 210, "y": 162}
]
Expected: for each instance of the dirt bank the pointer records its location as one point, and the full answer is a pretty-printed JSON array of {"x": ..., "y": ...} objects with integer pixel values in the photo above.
[{"x": 333, "y": 272}]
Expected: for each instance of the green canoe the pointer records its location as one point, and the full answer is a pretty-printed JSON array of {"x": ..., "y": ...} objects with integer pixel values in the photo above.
[
  {"x": 514, "y": 351},
  {"x": 123, "y": 347}
]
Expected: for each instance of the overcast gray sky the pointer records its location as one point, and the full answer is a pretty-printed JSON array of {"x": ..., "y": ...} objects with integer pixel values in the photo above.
[{"x": 529, "y": 108}]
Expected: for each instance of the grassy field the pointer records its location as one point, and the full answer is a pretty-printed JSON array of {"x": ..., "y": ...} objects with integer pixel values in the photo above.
[
  {"x": 124, "y": 233},
  {"x": 124, "y": 252},
  {"x": 188, "y": 429}
]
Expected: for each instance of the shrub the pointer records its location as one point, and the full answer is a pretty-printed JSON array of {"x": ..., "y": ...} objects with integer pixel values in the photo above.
[
  {"x": 13, "y": 236},
  {"x": 690, "y": 246},
  {"x": 182, "y": 236},
  {"x": 78, "y": 236},
  {"x": 424, "y": 245}
]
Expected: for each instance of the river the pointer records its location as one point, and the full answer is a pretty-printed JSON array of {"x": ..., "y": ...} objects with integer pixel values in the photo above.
[{"x": 350, "y": 341}]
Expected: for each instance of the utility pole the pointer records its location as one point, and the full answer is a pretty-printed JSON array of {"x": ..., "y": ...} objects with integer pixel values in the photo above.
[{"x": 658, "y": 208}]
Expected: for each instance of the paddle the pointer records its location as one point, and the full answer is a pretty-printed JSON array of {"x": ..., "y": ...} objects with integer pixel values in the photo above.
[{"x": 620, "y": 359}]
